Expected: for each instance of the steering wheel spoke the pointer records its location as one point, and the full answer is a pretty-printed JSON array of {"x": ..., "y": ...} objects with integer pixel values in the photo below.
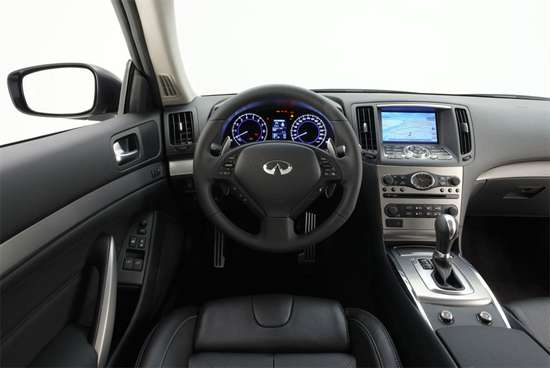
[{"x": 277, "y": 229}]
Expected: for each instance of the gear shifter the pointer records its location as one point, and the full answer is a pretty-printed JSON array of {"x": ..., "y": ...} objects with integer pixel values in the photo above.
[{"x": 446, "y": 231}]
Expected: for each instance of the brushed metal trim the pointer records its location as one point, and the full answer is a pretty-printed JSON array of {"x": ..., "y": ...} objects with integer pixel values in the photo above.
[
  {"x": 410, "y": 289},
  {"x": 416, "y": 229},
  {"x": 181, "y": 167},
  {"x": 426, "y": 276},
  {"x": 107, "y": 309},
  {"x": 532, "y": 169},
  {"x": 477, "y": 294}
]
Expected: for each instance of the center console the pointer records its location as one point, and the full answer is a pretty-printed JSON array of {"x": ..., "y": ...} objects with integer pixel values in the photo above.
[
  {"x": 420, "y": 173},
  {"x": 420, "y": 186}
]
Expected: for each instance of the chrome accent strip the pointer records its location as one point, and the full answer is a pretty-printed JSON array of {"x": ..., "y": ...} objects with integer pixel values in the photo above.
[
  {"x": 181, "y": 167},
  {"x": 410, "y": 289},
  {"x": 106, "y": 318},
  {"x": 533, "y": 169}
]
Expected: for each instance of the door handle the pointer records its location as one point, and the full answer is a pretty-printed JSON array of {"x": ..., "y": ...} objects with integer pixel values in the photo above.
[{"x": 124, "y": 154}]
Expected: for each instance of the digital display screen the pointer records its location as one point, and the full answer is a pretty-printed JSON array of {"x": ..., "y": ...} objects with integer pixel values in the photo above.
[
  {"x": 409, "y": 126},
  {"x": 279, "y": 129}
]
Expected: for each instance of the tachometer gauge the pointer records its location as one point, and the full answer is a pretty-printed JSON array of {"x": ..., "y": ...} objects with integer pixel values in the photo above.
[
  {"x": 249, "y": 128},
  {"x": 309, "y": 129}
]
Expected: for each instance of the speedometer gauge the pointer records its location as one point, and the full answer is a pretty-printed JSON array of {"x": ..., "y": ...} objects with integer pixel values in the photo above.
[
  {"x": 249, "y": 128},
  {"x": 309, "y": 129}
]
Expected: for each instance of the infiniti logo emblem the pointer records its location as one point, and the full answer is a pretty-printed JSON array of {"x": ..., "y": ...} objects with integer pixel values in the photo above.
[{"x": 277, "y": 167}]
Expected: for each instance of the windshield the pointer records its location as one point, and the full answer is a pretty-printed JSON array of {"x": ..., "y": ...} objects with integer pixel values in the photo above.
[{"x": 483, "y": 47}]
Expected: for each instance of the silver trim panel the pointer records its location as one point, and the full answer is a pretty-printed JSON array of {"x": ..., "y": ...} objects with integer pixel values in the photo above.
[
  {"x": 534, "y": 169},
  {"x": 107, "y": 309},
  {"x": 403, "y": 258},
  {"x": 407, "y": 258},
  {"x": 416, "y": 229},
  {"x": 181, "y": 167}
]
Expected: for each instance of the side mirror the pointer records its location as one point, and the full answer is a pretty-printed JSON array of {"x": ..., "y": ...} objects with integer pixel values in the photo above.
[{"x": 69, "y": 90}]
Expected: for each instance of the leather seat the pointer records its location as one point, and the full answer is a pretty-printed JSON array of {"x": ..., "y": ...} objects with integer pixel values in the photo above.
[
  {"x": 533, "y": 315},
  {"x": 269, "y": 331}
]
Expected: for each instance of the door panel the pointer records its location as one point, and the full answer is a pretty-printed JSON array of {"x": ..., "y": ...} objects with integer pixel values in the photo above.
[
  {"x": 61, "y": 196},
  {"x": 43, "y": 175}
]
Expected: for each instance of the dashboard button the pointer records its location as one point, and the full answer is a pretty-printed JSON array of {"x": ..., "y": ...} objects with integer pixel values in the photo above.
[
  {"x": 394, "y": 223},
  {"x": 446, "y": 316},
  {"x": 388, "y": 179},
  {"x": 453, "y": 211},
  {"x": 392, "y": 211},
  {"x": 485, "y": 317}
]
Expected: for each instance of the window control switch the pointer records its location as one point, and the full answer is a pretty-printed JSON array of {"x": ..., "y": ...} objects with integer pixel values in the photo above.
[
  {"x": 133, "y": 241},
  {"x": 138, "y": 264},
  {"x": 128, "y": 263}
]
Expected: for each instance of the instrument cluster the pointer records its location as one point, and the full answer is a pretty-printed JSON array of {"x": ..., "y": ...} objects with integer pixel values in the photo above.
[{"x": 274, "y": 123}]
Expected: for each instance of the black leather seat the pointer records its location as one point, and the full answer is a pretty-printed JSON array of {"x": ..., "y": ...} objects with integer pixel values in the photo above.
[
  {"x": 269, "y": 331},
  {"x": 533, "y": 315}
]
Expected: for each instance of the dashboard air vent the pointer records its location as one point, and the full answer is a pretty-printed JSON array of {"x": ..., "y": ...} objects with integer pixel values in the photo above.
[
  {"x": 366, "y": 128},
  {"x": 168, "y": 85},
  {"x": 181, "y": 128},
  {"x": 464, "y": 130}
]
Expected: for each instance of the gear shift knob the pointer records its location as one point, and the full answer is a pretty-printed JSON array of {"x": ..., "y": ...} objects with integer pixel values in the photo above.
[{"x": 446, "y": 231}]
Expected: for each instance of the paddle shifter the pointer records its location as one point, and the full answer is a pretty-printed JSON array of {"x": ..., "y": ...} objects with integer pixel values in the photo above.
[{"x": 446, "y": 231}]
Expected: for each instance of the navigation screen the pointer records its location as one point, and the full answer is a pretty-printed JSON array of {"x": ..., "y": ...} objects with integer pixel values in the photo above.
[{"x": 415, "y": 127}]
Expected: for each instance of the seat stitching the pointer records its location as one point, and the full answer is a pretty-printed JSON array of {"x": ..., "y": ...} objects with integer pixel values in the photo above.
[
  {"x": 350, "y": 363},
  {"x": 171, "y": 340},
  {"x": 390, "y": 342},
  {"x": 387, "y": 336},
  {"x": 367, "y": 333},
  {"x": 145, "y": 346}
]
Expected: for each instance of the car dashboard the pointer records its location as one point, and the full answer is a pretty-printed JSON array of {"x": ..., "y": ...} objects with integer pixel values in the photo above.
[{"x": 423, "y": 154}]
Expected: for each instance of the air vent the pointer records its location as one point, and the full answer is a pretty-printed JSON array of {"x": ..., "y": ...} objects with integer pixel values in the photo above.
[
  {"x": 366, "y": 128},
  {"x": 181, "y": 128},
  {"x": 464, "y": 130},
  {"x": 168, "y": 85}
]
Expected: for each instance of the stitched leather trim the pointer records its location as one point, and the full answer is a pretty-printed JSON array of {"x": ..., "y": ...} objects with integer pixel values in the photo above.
[
  {"x": 145, "y": 346},
  {"x": 171, "y": 340},
  {"x": 367, "y": 333}
]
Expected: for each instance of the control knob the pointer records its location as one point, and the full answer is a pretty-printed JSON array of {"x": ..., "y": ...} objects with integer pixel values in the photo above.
[
  {"x": 454, "y": 181},
  {"x": 422, "y": 180},
  {"x": 392, "y": 211},
  {"x": 453, "y": 211},
  {"x": 388, "y": 179}
]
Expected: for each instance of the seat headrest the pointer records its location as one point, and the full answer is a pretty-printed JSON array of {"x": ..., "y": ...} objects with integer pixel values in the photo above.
[{"x": 272, "y": 323}]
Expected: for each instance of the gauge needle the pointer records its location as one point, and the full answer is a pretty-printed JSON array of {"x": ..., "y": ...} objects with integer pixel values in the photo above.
[
  {"x": 300, "y": 135},
  {"x": 241, "y": 134}
]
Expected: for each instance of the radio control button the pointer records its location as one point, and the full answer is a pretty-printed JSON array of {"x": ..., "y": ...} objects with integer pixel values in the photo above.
[
  {"x": 454, "y": 181},
  {"x": 388, "y": 180}
]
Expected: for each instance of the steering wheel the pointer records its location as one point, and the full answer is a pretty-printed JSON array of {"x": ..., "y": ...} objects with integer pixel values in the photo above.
[{"x": 278, "y": 180}]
